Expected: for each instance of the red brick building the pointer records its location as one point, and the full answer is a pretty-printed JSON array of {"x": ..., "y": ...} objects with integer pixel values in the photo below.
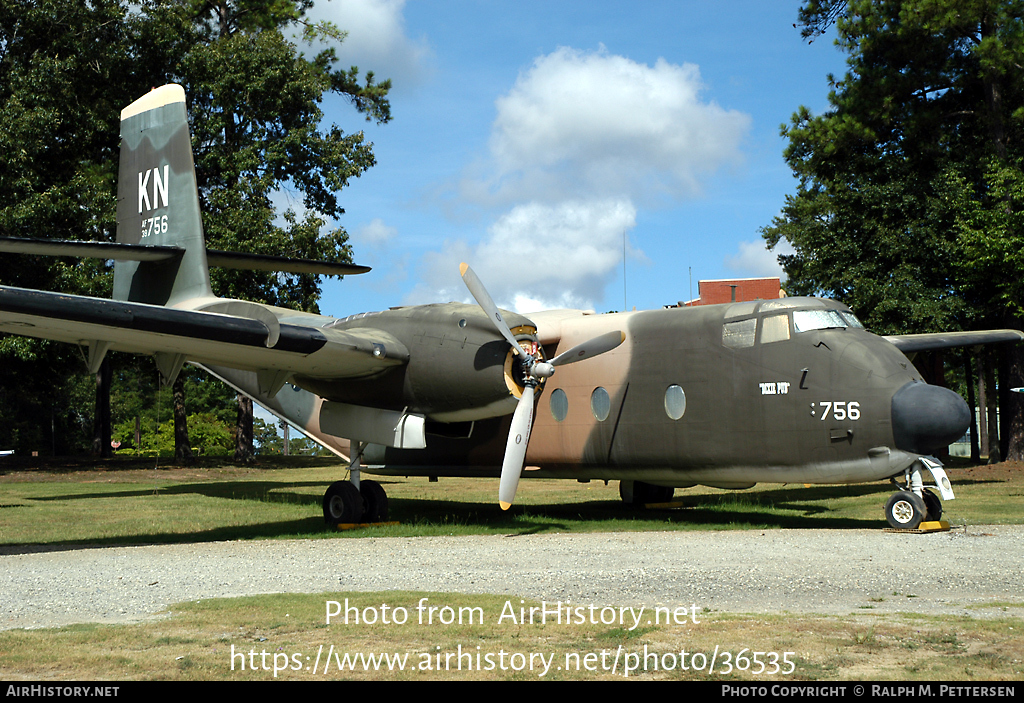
[{"x": 736, "y": 290}]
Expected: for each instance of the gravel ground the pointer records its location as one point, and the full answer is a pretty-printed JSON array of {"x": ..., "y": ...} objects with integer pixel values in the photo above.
[{"x": 797, "y": 571}]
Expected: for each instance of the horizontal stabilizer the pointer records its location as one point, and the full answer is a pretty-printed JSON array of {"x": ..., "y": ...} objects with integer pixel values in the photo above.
[
  {"x": 119, "y": 251},
  {"x": 907, "y": 343},
  {"x": 88, "y": 250},
  {"x": 264, "y": 262}
]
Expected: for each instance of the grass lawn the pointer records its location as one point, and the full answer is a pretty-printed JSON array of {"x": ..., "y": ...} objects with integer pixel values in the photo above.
[
  {"x": 285, "y": 637},
  {"x": 128, "y": 502}
]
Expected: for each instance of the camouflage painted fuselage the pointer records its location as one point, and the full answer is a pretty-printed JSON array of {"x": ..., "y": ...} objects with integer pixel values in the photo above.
[{"x": 724, "y": 395}]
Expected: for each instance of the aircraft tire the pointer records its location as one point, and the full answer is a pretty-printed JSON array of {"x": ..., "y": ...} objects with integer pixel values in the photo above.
[
  {"x": 660, "y": 494},
  {"x": 375, "y": 501},
  {"x": 638, "y": 494},
  {"x": 932, "y": 505},
  {"x": 905, "y": 510},
  {"x": 342, "y": 504},
  {"x": 626, "y": 491}
]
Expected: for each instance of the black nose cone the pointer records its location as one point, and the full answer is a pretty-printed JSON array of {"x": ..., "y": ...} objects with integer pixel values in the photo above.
[{"x": 926, "y": 418}]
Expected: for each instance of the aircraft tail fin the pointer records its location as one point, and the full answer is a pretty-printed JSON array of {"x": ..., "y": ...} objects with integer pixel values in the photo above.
[
  {"x": 160, "y": 256},
  {"x": 158, "y": 202}
]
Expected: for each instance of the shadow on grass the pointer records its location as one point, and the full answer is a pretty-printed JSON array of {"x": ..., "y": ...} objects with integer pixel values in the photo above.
[
  {"x": 798, "y": 508},
  {"x": 801, "y": 499},
  {"x": 262, "y": 491},
  {"x": 794, "y": 507},
  {"x": 292, "y": 528},
  {"x": 72, "y": 464}
]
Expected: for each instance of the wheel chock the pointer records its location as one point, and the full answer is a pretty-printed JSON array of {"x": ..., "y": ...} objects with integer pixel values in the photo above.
[
  {"x": 356, "y": 525},
  {"x": 924, "y": 528}
]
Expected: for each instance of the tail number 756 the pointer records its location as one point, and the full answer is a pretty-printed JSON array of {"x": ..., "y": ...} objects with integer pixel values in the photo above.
[{"x": 838, "y": 410}]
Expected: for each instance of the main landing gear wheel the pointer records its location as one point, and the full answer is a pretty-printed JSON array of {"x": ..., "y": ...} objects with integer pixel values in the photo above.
[
  {"x": 638, "y": 494},
  {"x": 933, "y": 506},
  {"x": 342, "y": 504},
  {"x": 905, "y": 510},
  {"x": 375, "y": 501},
  {"x": 346, "y": 504}
]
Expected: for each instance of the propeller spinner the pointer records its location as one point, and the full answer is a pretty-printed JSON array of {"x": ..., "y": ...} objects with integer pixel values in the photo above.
[{"x": 533, "y": 372}]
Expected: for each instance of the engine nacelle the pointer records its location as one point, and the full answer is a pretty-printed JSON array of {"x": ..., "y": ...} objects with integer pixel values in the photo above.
[{"x": 459, "y": 369}]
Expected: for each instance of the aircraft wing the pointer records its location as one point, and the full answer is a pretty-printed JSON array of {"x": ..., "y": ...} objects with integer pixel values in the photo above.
[
  {"x": 946, "y": 340},
  {"x": 208, "y": 337}
]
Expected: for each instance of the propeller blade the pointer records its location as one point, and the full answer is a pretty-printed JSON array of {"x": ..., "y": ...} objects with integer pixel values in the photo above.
[
  {"x": 522, "y": 418},
  {"x": 515, "y": 449},
  {"x": 476, "y": 287},
  {"x": 590, "y": 348}
]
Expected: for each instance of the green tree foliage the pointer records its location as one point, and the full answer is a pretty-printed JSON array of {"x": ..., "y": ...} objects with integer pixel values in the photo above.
[
  {"x": 140, "y": 405},
  {"x": 269, "y": 442},
  {"x": 61, "y": 92},
  {"x": 43, "y": 413},
  {"x": 209, "y": 437},
  {"x": 909, "y": 203},
  {"x": 927, "y": 117},
  {"x": 62, "y": 86},
  {"x": 68, "y": 67},
  {"x": 254, "y": 99}
]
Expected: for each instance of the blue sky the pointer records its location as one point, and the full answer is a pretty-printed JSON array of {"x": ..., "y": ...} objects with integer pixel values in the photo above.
[{"x": 530, "y": 138}]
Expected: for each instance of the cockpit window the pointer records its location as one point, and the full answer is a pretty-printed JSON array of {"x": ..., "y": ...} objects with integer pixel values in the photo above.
[
  {"x": 739, "y": 335},
  {"x": 785, "y": 304},
  {"x": 851, "y": 320},
  {"x": 774, "y": 328},
  {"x": 741, "y": 309},
  {"x": 806, "y": 320}
]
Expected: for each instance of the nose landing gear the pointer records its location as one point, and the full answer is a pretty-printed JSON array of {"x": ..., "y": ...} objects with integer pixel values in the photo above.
[{"x": 915, "y": 507}]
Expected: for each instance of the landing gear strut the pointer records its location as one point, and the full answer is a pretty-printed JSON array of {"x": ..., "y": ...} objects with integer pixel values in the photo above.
[{"x": 354, "y": 501}]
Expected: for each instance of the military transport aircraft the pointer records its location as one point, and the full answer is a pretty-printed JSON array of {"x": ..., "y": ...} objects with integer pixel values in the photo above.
[{"x": 788, "y": 390}]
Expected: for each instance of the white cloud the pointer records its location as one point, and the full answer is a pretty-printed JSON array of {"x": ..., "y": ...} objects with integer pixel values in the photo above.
[
  {"x": 577, "y": 141},
  {"x": 374, "y": 234},
  {"x": 754, "y": 259},
  {"x": 377, "y": 39},
  {"x": 592, "y": 124},
  {"x": 538, "y": 256}
]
